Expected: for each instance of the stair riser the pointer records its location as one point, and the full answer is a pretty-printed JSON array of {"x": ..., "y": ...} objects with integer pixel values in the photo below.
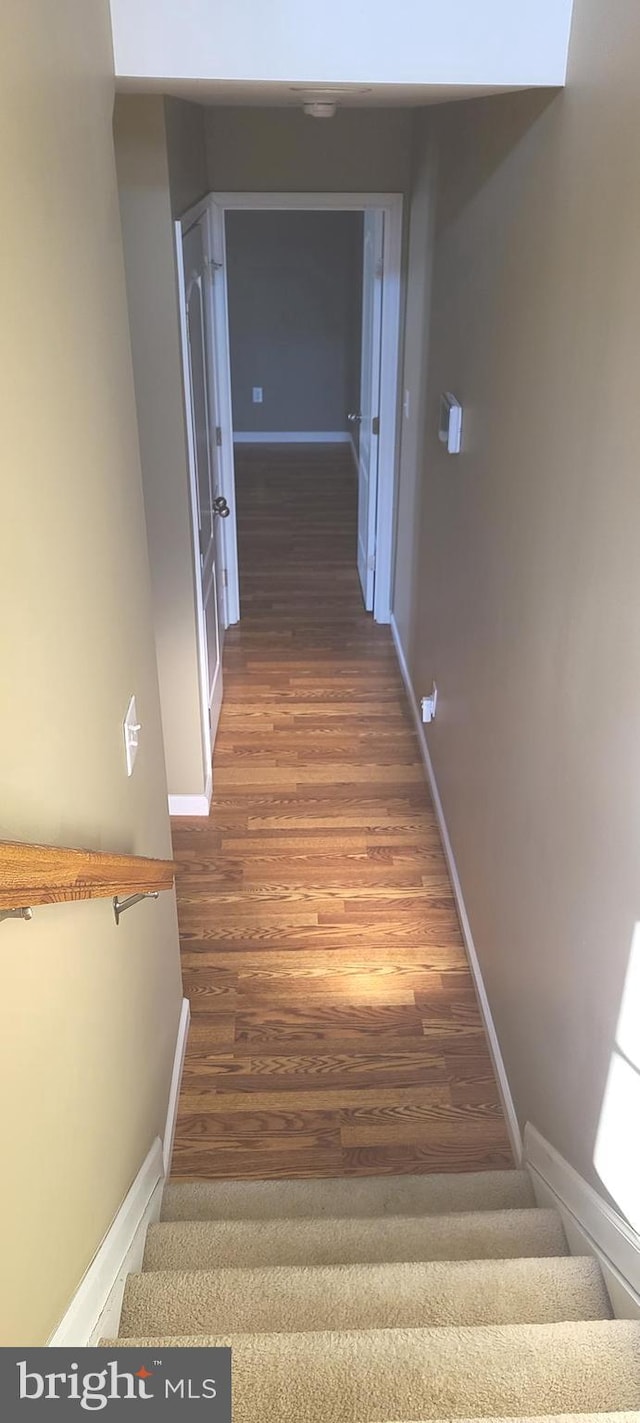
[
  {"x": 366, "y": 1196},
  {"x": 364, "y": 1297},
  {"x": 484, "y": 1236}
]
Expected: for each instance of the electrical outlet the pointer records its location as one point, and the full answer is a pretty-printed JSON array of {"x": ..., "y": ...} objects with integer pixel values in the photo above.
[
  {"x": 257, "y": 395},
  {"x": 132, "y": 728}
]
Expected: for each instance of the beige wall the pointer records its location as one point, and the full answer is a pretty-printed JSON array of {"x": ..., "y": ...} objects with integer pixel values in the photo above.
[
  {"x": 528, "y": 589},
  {"x": 147, "y": 226},
  {"x": 283, "y": 150},
  {"x": 88, "y": 1012}
]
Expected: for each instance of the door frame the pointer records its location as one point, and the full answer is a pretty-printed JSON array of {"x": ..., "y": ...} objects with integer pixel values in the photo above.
[{"x": 391, "y": 204}]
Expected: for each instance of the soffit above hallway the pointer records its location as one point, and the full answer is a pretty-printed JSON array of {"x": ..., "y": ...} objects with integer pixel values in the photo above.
[
  {"x": 286, "y": 96},
  {"x": 414, "y": 52}
]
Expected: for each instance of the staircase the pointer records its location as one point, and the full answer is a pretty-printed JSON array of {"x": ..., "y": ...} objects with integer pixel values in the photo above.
[{"x": 385, "y": 1298}]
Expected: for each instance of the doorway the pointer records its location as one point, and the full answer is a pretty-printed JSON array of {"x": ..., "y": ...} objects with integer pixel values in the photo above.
[
  {"x": 374, "y": 416},
  {"x": 203, "y": 283}
]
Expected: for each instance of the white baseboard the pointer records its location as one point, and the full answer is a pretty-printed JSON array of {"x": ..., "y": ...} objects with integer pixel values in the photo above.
[
  {"x": 95, "y": 1307},
  {"x": 506, "y": 1098},
  {"x": 291, "y": 437},
  {"x": 192, "y": 804},
  {"x": 591, "y": 1225},
  {"x": 94, "y": 1312},
  {"x": 174, "y": 1090}
]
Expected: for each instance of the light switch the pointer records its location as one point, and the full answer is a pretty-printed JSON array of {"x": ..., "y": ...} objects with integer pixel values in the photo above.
[
  {"x": 257, "y": 395},
  {"x": 131, "y": 728}
]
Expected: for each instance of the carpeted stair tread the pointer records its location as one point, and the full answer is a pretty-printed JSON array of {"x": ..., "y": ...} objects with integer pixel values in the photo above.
[
  {"x": 479, "y": 1235},
  {"x": 389, "y": 1296},
  {"x": 370, "y": 1376},
  {"x": 339, "y": 1196},
  {"x": 540, "y": 1418}
]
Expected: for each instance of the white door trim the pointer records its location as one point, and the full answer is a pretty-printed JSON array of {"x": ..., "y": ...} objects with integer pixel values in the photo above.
[
  {"x": 391, "y": 205},
  {"x": 369, "y": 405}
]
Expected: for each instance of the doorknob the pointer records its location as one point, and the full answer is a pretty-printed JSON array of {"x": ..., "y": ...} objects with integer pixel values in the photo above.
[
  {"x": 220, "y": 507},
  {"x": 354, "y": 417}
]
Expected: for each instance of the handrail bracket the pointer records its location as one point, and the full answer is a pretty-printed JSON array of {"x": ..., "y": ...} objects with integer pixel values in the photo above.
[
  {"x": 120, "y": 906},
  {"x": 24, "y": 913}
]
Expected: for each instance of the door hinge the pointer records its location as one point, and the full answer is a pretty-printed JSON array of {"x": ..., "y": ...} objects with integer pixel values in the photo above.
[
  {"x": 225, "y": 578},
  {"x": 371, "y": 563},
  {"x": 380, "y": 269},
  {"x": 218, "y": 436},
  {"x": 375, "y": 425},
  {"x": 212, "y": 266}
]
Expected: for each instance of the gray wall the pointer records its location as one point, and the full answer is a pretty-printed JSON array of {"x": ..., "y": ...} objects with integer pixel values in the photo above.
[
  {"x": 527, "y": 591},
  {"x": 282, "y": 150},
  {"x": 186, "y": 155},
  {"x": 294, "y": 282}
]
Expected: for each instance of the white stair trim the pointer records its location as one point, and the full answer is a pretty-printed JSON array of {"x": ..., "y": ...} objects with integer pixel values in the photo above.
[
  {"x": 591, "y": 1225},
  {"x": 95, "y": 1307},
  {"x": 504, "y": 1089},
  {"x": 94, "y": 1311},
  {"x": 174, "y": 1090}
]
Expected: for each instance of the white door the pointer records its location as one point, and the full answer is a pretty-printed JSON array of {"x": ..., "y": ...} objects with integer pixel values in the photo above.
[
  {"x": 369, "y": 415},
  {"x": 207, "y": 506}
]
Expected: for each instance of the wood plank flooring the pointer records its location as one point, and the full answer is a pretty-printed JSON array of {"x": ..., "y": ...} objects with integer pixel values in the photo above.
[{"x": 335, "y": 1029}]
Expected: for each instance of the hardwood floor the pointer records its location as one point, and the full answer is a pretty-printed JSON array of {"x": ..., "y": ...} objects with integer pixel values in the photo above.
[{"x": 335, "y": 1029}]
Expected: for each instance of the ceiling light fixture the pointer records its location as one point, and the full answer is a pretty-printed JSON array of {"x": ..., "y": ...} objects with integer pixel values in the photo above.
[
  {"x": 320, "y": 91},
  {"x": 320, "y": 110}
]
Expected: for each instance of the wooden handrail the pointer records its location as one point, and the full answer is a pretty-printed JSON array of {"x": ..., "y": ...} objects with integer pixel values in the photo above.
[{"x": 48, "y": 874}]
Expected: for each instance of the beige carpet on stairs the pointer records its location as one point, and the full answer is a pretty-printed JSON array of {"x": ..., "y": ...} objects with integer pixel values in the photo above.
[
  {"x": 424, "y": 1298},
  {"x": 339, "y": 1196},
  {"x": 481, "y": 1235},
  {"x": 366, "y": 1376},
  {"x": 387, "y": 1296}
]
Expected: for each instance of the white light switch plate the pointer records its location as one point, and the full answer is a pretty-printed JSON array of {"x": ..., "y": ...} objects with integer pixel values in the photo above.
[{"x": 131, "y": 728}]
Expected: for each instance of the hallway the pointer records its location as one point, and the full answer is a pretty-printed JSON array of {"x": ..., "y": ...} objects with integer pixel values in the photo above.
[{"x": 335, "y": 1029}]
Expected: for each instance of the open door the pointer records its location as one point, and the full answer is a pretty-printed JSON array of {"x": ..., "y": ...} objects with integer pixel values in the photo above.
[
  {"x": 207, "y": 506},
  {"x": 369, "y": 414}
]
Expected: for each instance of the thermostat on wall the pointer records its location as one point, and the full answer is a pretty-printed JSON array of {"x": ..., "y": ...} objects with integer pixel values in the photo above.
[{"x": 450, "y": 431}]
